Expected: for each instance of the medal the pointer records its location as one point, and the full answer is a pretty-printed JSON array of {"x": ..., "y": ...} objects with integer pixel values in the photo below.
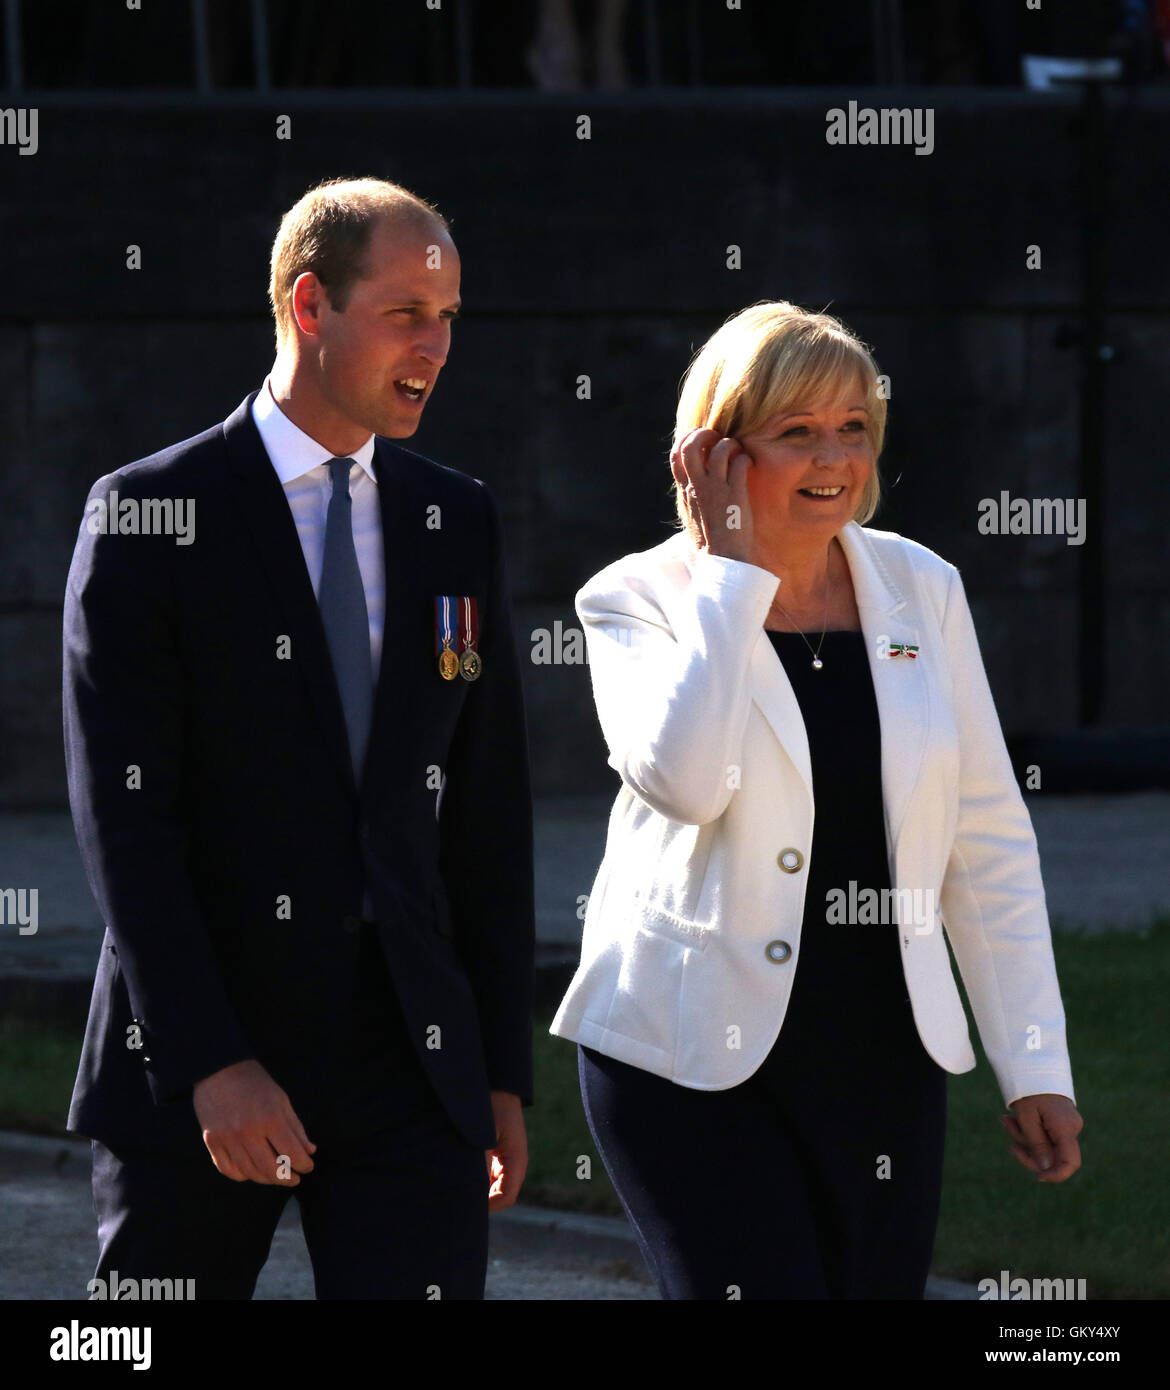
[
  {"x": 470, "y": 664},
  {"x": 456, "y": 635},
  {"x": 448, "y": 660}
]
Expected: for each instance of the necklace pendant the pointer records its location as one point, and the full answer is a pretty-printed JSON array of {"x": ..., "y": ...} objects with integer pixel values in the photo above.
[{"x": 817, "y": 663}]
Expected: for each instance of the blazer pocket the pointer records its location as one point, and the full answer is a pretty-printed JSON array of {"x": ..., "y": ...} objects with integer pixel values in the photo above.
[{"x": 660, "y": 921}]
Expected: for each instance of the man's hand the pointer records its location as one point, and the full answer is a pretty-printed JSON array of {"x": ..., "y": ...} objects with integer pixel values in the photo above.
[
  {"x": 1045, "y": 1129},
  {"x": 508, "y": 1161},
  {"x": 249, "y": 1126}
]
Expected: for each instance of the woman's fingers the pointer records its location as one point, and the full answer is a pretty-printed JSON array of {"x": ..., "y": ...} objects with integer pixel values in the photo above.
[
  {"x": 711, "y": 470},
  {"x": 1053, "y": 1155},
  {"x": 1020, "y": 1148},
  {"x": 693, "y": 450},
  {"x": 691, "y": 469},
  {"x": 1066, "y": 1160},
  {"x": 698, "y": 516}
]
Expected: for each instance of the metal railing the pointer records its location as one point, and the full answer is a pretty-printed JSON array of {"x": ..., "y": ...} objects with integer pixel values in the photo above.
[{"x": 887, "y": 45}]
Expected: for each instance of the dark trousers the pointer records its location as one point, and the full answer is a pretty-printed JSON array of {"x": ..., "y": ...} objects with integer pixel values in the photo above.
[
  {"x": 819, "y": 1177},
  {"x": 395, "y": 1207}
]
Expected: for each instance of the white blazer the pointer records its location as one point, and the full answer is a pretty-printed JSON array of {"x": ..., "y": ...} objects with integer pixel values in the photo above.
[{"x": 683, "y": 966}]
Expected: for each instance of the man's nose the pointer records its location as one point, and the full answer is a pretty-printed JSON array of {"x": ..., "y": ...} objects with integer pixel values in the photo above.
[{"x": 434, "y": 345}]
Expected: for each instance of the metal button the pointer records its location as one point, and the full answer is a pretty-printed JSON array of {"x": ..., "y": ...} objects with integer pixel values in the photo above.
[
  {"x": 790, "y": 860},
  {"x": 351, "y": 924},
  {"x": 777, "y": 951}
]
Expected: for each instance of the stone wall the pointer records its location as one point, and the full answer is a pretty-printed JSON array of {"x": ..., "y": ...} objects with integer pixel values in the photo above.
[{"x": 607, "y": 257}]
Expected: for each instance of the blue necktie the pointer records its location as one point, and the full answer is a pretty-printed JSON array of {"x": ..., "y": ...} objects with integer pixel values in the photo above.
[{"x": 342, "y": 600}]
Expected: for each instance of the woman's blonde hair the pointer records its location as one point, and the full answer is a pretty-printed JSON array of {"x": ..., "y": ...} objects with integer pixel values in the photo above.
[{"x": 765, "y": 360}]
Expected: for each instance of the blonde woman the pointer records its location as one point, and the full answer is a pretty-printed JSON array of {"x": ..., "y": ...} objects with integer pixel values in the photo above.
[{"x": 815, "y": 788}]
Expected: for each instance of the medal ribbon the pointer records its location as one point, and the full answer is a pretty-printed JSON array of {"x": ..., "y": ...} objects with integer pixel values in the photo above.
[
  {"x": 444, "y": 608},
  {"x": 470, "y": 623}
]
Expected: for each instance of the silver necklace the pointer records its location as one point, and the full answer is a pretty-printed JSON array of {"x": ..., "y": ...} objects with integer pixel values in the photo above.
[{"x": 817, "y": 663}]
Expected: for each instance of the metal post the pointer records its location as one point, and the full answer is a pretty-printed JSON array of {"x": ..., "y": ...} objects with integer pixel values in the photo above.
[
  {"x": 694, "y": 47},
  {"x": 896, "y": 50},
  {"x": 261, "y": 64},
  {"x": 650, "y": 45},
  {"x": 889, "y": 50},
  {"x": 1095, "y": 354},
  {"x": 463, "y": 61},
  {"x": 12, "y": 45},
  {"x": 200, "y": 45}
]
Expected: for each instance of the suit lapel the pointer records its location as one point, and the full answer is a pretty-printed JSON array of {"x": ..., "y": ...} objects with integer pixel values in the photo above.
[
  {"x": 264, "y": 512},
  {"x": 403, "y": 516},
  {"x": 898, "y": 682}
]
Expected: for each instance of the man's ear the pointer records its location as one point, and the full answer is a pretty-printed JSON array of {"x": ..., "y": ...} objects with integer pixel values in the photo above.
[{"x": 305, "y": 302}]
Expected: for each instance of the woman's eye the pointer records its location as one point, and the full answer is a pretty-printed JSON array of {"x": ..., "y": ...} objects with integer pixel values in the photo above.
[{"x": 854, "y": 426}]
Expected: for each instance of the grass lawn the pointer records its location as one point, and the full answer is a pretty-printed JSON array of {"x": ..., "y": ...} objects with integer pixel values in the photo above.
[{"x": 1107, "y": 1225}]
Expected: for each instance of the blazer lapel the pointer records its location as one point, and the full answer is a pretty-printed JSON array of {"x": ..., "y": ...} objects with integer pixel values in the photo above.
[
  {"x": 898, "y": 682},
  {"x": 264, "y": 511}
]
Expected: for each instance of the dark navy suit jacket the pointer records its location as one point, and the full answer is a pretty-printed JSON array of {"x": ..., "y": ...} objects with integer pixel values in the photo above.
[{"x": 215, "y": 806}]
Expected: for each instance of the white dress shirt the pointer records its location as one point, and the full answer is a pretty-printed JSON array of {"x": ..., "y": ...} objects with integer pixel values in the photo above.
[{"x": 302, "y": 465}]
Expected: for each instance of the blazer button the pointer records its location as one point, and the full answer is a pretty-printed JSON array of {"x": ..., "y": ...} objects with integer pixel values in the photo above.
[
  {"x": 351, "y": 924},
  {"x": 777, "y": 951},
  {"x": 790, "y": 860}
]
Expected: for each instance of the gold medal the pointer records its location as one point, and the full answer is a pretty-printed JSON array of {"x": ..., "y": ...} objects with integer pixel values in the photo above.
[
  {"x": 448, "y": 658},
  {"x": 448, "y": 664},
  {"x": 470, "y": 665}
]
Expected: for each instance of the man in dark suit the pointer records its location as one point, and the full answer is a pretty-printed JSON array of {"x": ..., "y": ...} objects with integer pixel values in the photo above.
[{"x": 298, "y": 771}]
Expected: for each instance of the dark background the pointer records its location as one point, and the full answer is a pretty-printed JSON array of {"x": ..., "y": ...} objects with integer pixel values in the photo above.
[{"x": 607, "y": 257}]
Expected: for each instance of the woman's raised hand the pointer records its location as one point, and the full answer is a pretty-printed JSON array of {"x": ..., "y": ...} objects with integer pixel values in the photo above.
[{"x": 713, "y": 475}]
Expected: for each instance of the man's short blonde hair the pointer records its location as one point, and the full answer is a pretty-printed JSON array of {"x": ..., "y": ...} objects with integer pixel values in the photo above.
[
  {"x": 767, "y": 359},
  {"x": 328, "y": 232}
]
